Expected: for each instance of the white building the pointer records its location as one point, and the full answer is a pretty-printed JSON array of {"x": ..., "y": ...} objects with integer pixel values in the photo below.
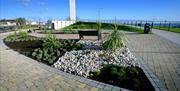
[
  {"x": 34, "y": 23},
  {"x": 7, "y": 22},
  {"x": 60, "y": 24},
  {"x": 55, "y": 24},
  {"x": 11, "y": 23}
]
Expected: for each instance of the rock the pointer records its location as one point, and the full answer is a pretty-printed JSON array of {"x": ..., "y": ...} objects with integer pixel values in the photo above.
[{"x": 92, "y": 58}]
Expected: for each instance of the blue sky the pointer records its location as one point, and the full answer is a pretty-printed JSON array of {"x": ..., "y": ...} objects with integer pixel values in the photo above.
[{"x": 88, "y": 9}]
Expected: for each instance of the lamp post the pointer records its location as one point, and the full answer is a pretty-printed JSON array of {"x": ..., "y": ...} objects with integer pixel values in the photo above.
[{"x": 99, "y": 14}]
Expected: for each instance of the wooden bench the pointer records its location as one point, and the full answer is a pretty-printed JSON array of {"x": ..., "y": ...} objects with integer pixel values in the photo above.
[{"x": 89, "y": 33}]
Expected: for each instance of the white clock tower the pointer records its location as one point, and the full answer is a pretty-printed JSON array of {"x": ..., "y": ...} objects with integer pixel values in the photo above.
[{"x": 72, "y": 4}]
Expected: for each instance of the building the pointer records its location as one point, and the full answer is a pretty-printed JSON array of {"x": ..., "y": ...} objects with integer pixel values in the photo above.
[
  {"x": 7, "y": 22},
  {"x": 34, "y": 23},
  {"x": 56, "y": 24}
]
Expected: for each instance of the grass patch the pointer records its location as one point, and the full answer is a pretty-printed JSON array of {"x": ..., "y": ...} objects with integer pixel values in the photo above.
[{"x": 103, "y": 26}]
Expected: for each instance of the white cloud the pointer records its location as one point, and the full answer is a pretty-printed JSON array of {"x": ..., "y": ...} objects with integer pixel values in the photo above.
[
  {"x": 24, "y": 2},
  {"x": 41, "y": 3}
]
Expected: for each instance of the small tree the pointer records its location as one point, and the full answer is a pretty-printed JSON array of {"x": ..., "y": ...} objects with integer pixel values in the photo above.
[
  {"x": 51, "y": 42},
  {"x": 98, "y": 26},
  {"x": 20, "y": 22},
  {"x": 114, "y": 40},
  {"x": 82, "y": 26}
]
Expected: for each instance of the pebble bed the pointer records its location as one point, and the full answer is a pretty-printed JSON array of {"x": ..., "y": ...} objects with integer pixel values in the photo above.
[{"x": 92, "y": 58}]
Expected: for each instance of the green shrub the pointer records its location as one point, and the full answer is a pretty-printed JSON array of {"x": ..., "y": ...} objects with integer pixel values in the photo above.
[
  {"x": 51, "y": 42},
  {"x": 48, "y": 56},
  {"x": 114, "y": 40},
  {"x": 119, "y": 76},
  {"x": 50, "y": 52},
  {"x": 95, "y": 74},
  {"x": 71, "y": 45},
  {"x": 11, "y": 37},
  {"x": 21, "y": 36},
  {"x": 82, "y": 26},
  {"x": 113, "y": 73}
]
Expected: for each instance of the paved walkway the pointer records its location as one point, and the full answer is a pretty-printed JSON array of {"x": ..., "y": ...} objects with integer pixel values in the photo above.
[
  {"x": 162, "y": 57},
  {"x": 174, "y": 37},
  {"x": 20, "y": 73}
]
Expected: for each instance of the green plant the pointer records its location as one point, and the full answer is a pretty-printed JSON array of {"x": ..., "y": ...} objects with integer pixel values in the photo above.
[
  {"x": 51, "y": 42},
  {"x": 50, "y": 52},
  {"x": 10, "y": 37},
  {"x": 113, "y": 73},
  {"x": 98, "y": 26},
  {"x": 23, "y": 35},
  {"x": 95, "y": 74},
  {"x": 127, "y": 77},
  {"x": 114, "y": 40},
  {"x": 48, "y": 56},
  {"x": 71, "y": 45},
  {"x": 20, "y": 22},
  {"x": 82, "y": 26}
]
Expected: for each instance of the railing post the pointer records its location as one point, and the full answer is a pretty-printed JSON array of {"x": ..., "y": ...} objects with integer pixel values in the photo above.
[
  {"x": 169, "y": 26},
  {"x": 152, "y": 25},
  {"x": 159, "y": 25}
]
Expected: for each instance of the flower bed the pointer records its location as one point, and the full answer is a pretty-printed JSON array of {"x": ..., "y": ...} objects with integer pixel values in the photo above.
[
  {"x": 118, "y": 68},
  {"x": 90, "y": 59}
]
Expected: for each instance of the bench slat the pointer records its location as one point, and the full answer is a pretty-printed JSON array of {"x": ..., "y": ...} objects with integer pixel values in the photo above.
[{"x": 89, "y": 33}]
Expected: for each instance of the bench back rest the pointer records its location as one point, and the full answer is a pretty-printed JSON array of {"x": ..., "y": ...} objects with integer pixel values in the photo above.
[{"x": 96, "y": 33}]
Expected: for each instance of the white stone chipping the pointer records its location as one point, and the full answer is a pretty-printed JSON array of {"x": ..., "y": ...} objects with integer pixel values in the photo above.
[{"x": 92, "y": 58}]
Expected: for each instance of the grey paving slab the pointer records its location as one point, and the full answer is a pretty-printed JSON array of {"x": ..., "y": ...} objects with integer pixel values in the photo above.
[
  {"x": 174, "y": 37},
  {"x": 160, "y": 55}
]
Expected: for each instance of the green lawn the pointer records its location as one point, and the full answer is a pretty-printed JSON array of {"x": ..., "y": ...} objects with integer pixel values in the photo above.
[
  {"x": 104, "y": 26},
  {"x": 28, "y": 27},
  {"x": 172, "y": 29}
]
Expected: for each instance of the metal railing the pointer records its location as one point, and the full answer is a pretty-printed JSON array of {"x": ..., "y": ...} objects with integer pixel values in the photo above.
[{"x": 154, "y": 24}]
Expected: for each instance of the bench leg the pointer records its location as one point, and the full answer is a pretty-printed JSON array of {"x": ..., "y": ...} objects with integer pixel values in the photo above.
[
  {"x": 99, "y": 36},
  {"x": 81, "y": 37}
]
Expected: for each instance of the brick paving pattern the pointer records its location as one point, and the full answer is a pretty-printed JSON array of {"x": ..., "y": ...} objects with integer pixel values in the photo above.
[{"x": 160, "y": 55}]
